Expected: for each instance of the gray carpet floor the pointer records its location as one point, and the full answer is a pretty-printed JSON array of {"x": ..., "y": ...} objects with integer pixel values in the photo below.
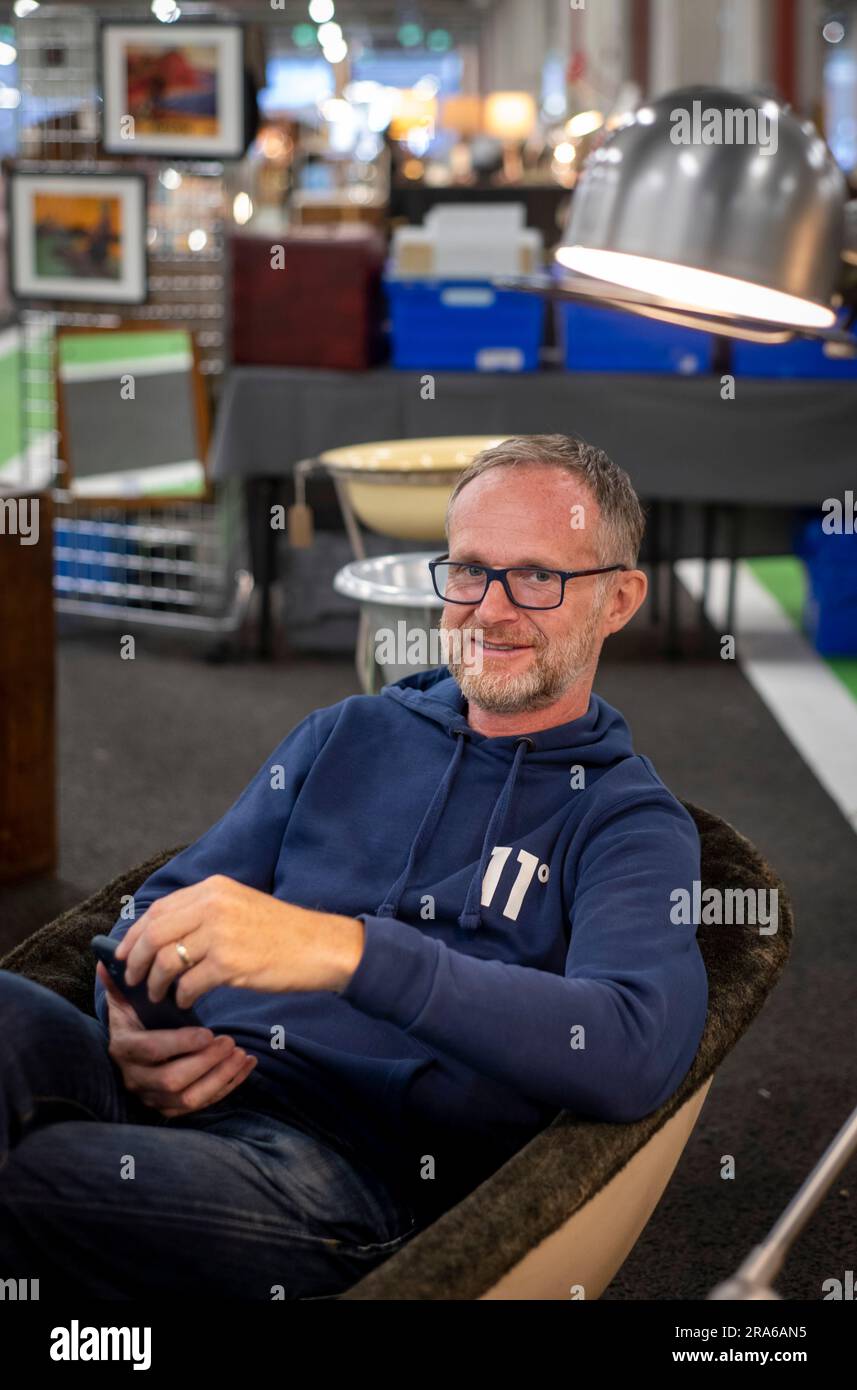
[{"x": 153, "y": 751}]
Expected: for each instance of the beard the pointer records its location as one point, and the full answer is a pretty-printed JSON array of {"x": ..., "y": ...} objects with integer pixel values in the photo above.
[{"x": 557, "y": 664}]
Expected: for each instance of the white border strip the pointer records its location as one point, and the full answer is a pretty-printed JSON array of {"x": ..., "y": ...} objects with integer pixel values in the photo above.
[
  {"x": 141, "y": 482},
  {"x": 808, "y": 701},
  {"x": 131, "y": 366}
]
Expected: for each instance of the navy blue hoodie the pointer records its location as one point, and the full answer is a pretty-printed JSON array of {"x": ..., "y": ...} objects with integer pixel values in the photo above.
[{"x": 519, "y": 955}]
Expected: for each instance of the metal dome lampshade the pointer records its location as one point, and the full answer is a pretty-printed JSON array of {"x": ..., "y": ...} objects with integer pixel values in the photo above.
[{"x": 715, "y": 209}]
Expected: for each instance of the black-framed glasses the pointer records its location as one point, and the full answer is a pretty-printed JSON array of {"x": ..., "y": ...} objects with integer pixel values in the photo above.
[{"x": 526, "y": 586}]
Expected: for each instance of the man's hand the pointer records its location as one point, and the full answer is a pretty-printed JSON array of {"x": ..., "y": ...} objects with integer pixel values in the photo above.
[
  {"x": 235, "y": 935},
  {"x": 173, "y": 1070}
]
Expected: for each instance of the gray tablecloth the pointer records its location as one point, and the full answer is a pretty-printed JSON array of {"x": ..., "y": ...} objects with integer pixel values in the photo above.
[{"x": 779, "y": 444}]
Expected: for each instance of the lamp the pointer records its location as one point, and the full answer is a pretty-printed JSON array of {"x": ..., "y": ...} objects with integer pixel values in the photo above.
[
  {"x": 754, "y": 1278},
  {"x": 680, "y": 214},
  {"x": 462, "y": 113},
  {"x": 412, "y": 111},
  {"x": 510, "y": 117}
]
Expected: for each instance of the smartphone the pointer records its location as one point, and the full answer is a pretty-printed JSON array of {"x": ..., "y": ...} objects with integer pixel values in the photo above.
[{"x": 165, "y": 1014}]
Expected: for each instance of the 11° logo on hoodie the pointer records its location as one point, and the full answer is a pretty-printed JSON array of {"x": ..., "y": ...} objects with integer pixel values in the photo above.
[{"x": 530, "y": 868}]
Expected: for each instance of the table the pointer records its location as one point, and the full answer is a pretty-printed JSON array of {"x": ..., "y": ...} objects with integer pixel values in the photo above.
[{"x": 721, "y": 477}]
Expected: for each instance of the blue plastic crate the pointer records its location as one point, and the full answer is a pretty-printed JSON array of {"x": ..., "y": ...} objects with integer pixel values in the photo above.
[
  {"x": 830, "y": 623},
  {"x": 595, "y": 339},
  {"x": 830, "y": 612},
  {"x": 802, "y": 357},
  {"x": 78, "y": 550},
  {"x": 464, "y": 326}
]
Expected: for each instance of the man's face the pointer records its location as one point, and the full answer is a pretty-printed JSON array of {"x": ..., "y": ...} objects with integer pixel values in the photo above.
[{"x": 529, "y": 658}]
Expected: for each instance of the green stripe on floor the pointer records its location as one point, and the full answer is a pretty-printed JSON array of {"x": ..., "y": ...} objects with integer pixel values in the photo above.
[{"x": 784, "y": 576}]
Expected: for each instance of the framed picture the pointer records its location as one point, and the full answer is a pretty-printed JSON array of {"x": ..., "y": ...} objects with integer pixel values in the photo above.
[
  {"x": 133, "y": 414},
  {"x": 78, "y": 236},
  {"x": 176, "y": 91}
]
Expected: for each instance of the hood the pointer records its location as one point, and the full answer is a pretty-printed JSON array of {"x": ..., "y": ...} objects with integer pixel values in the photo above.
[{"x": 599, "y": 738}]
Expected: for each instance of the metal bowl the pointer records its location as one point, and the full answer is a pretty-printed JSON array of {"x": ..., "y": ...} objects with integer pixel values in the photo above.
[{"x": 396, "y": 595}]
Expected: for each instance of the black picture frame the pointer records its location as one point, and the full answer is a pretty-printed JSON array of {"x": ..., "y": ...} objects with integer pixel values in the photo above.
[
  {"x": 164, "y": 35},
  {"x": 25, "y": 280}
]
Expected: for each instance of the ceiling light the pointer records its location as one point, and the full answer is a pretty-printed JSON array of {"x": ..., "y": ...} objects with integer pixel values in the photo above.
[
  {"x": 167, "y": 11},
  {"x": 336, "y": 51},
  {"x": 242, "y": 208},
  {"x": 303, "y": 35},
  {"x": 336, "y": 109},
  {"x": 321, "y": 10},
  {"x": 410, "y": 35}
]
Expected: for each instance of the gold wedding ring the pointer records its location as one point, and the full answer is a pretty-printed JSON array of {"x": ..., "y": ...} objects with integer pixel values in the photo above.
[{"x": 182, "y": 950}]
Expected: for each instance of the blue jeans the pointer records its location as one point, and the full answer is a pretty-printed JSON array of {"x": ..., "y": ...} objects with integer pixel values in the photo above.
[{"x": 101, "y": 1195}]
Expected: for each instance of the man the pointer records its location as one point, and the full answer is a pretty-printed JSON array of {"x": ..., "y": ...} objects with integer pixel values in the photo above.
[{"x": 435, "y": 918}]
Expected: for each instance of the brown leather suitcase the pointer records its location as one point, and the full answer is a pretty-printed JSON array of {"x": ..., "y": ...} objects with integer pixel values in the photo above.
[{"x": 309, "y": 298}]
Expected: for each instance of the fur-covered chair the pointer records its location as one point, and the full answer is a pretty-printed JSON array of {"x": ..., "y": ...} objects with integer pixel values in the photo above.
[{"x": 560, "y": 1217}]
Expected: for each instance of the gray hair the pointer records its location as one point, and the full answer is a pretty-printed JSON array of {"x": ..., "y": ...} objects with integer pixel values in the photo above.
[{"x": 622, "y": 521}]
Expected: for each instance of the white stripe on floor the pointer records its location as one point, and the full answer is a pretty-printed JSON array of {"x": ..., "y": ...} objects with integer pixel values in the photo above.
[{"x": 812, "y": 707}]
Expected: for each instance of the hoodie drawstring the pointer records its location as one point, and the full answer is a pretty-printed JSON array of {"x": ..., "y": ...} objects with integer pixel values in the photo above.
[
  {"x": 470, "y": 917},
  {"x": 390, "y": 906}
]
